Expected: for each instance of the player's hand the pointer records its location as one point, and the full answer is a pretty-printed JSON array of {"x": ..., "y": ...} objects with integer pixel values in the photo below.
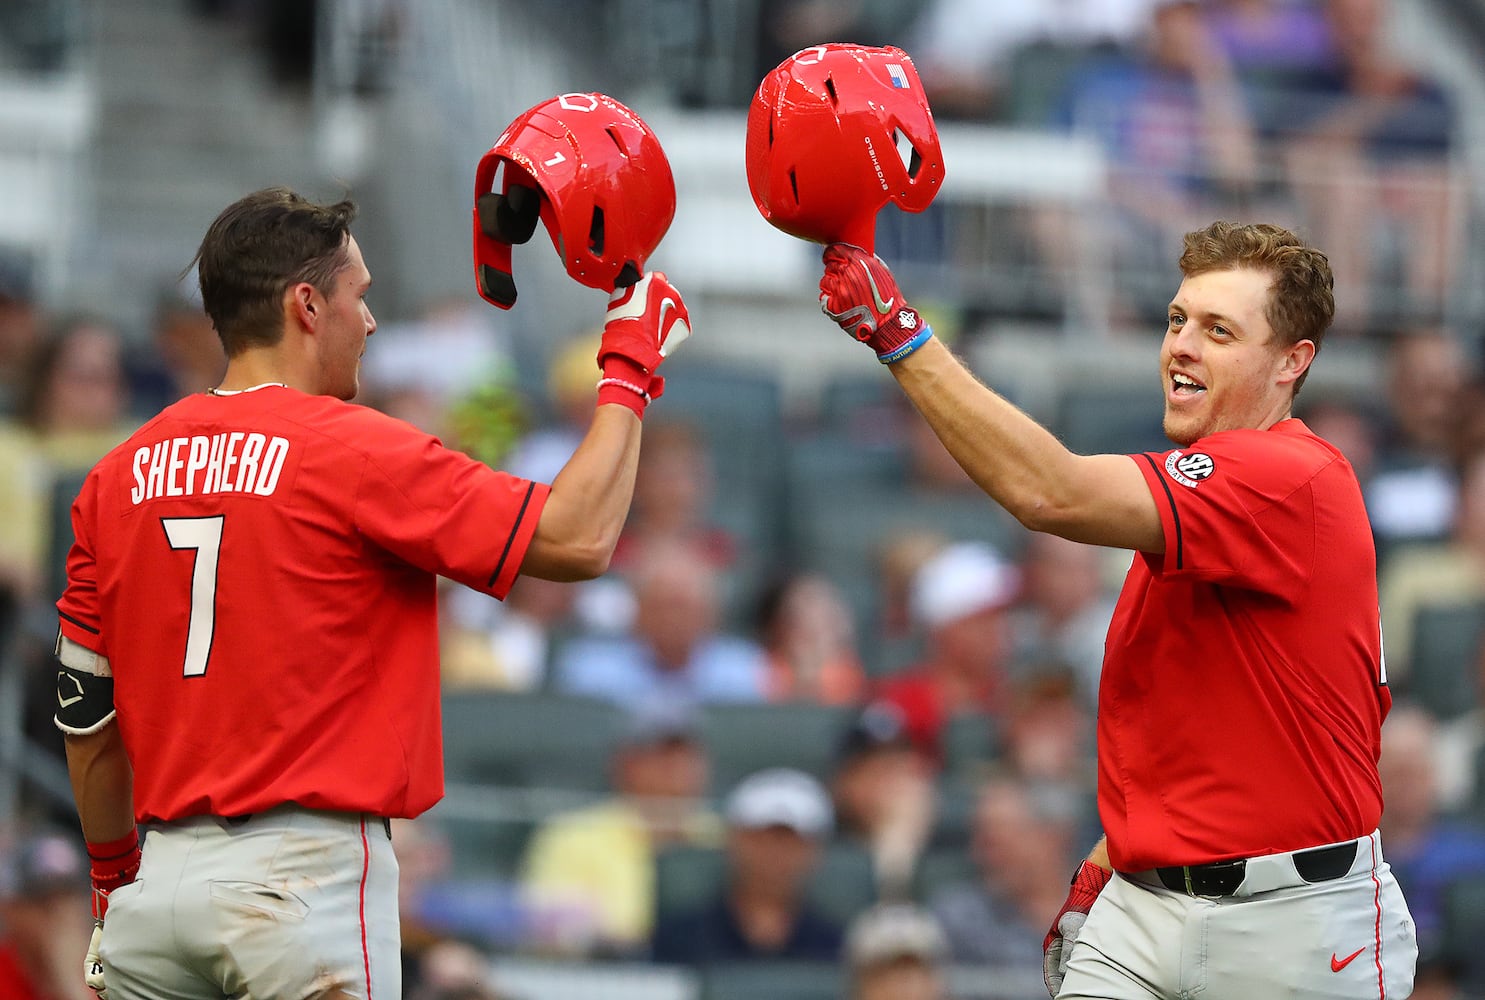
[
  {"x": 93, "y": 965},
  {"x": 1057, "y": 946},
  {"x": 110, "y": 865},
  {"x": 645, "y": 324},
  {"x": 860, "y": 294}
]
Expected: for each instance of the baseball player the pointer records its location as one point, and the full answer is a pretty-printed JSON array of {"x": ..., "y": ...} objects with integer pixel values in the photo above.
[
  {"x": 248, "y": 646},
  {"x": 1243, "y": 689}
]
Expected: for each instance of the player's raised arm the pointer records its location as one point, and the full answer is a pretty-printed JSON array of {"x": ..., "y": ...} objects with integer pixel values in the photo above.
[
  {"x": 594, "y": 173},
  {"x": 1100, "y": 499},
  {"x": 590, "y": 497}
]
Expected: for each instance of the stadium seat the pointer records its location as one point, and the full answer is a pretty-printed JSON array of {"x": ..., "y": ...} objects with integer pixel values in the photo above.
[
  {"x": 688, "y": 877},
  {"x": 845, "y": 882},
  {"x": 1443, "y": 663},
  {"x": 773, "y": 980},
  {"x": 743, "y": 737},
  {"x": 528, "y": 740},
  {"x": 1111, "y": 419},
  {"x": 970, "y": 740},
  {"x": 943, "y": 867},
  {"x": 1464, "y": 929}
]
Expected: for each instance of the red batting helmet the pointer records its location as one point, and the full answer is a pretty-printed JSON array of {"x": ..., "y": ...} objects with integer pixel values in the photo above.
[
  {"x": 822, "y": 149},
  {"x": 593, "y": 172}
]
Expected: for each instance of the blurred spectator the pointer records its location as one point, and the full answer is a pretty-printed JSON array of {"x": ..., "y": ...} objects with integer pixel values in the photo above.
[
  {"x": 966, "y": 50},
  {"x": 571, "y": 388},
  {"x": 899, "y": 557},
  {"x": 1346, "y": 423},
  {"x": 1427, "y": 853},
  {"x": 595, "y": 868},
  {"x": 1459, "y": 744},
  {"x": 809, "y": 638},
  {"x": 184, "y": 355},
  {"x": 896, "y": 951},
  {"x": 1180, "y": 142},
  {"x": 1048, "y": 743},
  {"x": 884, "y": 793},
  {"x": 454, "y": 970},
  {"x": 1450, "y": 572},
  {"x": 959, "y": 599},
  {"x": 672, "y": 498},
  {"x": 507, "y": 644},
  {"x": 44, "y": 919},
  {"x": 777, "y": 822},
  {"x": 1064, "y": 609},
  {"x": 20, "y": 329},
  {"x": 1022, "y": 856},
  {"x": 73, "y": 408},
  {"x": 424, "y": 859},
  {"x": 786, "y": 26},
  {"x": 675, "y": 650},
  {"x": 1369, "y": 162},
  {"x": 1411, "y": 496}
]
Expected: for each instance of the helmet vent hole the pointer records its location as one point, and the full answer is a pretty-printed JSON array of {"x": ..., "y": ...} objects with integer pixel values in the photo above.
[
  {"x": 830, "y": 86},
  {"x": 613, "y": 135},
  {"x": 907, "y": 153},
  {"x": 595, "y": 233},
  {"x": 794, "y": 186}
]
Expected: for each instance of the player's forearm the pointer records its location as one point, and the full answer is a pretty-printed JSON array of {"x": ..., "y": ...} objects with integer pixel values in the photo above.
[
  {"x": 589, "y": 502},
  {"x": 1010, "y": 456},
  {"x": 1100, "y": 854},
  {"x": 102, "y": 784}
]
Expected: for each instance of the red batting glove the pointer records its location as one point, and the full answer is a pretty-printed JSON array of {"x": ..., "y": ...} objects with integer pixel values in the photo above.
[
  {"x": 112, "y": 864},
  {"x": 1087, "y": 882},
  {"x": 860, "y": 294},
  {"x": 646, "y": 322}
]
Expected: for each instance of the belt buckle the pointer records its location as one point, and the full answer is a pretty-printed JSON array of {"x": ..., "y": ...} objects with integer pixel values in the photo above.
[{"x": 1211, "y": 872}]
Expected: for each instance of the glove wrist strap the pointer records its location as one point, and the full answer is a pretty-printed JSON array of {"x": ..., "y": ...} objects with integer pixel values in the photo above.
[{"x": 925, "y": 332}]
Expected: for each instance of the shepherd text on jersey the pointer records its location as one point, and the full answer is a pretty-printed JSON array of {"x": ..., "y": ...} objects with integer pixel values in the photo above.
[{"x": 230, "y": 462}]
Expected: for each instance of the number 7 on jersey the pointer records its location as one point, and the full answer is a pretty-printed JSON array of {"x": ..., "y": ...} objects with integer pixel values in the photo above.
[{"x": 204, "y": 534}]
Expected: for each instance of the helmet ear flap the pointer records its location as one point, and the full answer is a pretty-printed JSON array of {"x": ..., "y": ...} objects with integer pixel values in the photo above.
[{"x": 512, "y": 216}]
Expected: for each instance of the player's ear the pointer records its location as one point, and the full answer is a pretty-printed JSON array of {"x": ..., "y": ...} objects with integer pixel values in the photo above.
[
  {"x": 1296, "y": 361},
  {"x": 302, "y": 304}
]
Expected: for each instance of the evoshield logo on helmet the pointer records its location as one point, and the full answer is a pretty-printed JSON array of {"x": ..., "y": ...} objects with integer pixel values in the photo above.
[
  {"x": 593, "y": 173},
  {"x": 819, "y": 134}
]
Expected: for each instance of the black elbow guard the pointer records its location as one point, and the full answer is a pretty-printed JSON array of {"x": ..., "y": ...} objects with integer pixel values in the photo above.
[{"x": 84, "y": 689}]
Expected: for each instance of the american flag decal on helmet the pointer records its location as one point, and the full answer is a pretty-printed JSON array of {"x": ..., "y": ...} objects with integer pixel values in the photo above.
[{"x": 898, "y": 75}]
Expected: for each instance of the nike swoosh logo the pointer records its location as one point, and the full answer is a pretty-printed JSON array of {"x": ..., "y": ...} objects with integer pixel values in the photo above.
[
  {"x": 876, "y": 295},
  {"x": 1337, "y": 964},
  {"x": 672, "y": 334}
]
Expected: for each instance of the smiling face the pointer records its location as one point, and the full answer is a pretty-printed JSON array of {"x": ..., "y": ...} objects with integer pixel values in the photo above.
[
  {"x": 1222, "y": 363},
  {"x": 343, "y": 329}
]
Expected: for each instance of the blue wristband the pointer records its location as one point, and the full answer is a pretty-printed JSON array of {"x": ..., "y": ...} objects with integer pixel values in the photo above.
[{"x": 908, "y": 347}]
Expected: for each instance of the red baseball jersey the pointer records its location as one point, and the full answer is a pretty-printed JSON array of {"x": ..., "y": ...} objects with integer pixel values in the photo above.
[
  {"x": 1243, "y": 688},
  {"x": 260, "y": 571}
]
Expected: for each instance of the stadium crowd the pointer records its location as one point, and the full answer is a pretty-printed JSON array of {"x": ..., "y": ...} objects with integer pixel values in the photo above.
[{"x": 831, "y": 706}]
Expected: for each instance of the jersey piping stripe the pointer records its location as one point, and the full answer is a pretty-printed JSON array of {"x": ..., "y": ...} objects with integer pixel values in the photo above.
[
  {"x": 520, "y": 516},
  {"x": 365, "y": 869},
  {"x": 1377, "y": 903},
  {"x": 81, "y": 625},
  {"x": 1175, "y": 514}
]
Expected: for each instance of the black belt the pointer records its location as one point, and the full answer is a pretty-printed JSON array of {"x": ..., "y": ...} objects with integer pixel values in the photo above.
[
  {"x": 235, "y": 821},
  {"x": 1222, "y": 878}
]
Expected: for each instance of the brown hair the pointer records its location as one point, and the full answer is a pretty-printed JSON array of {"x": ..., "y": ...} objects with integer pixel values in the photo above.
[
  {"x": 1301, "y": 300},
  {"x": 259, "y": 246}
]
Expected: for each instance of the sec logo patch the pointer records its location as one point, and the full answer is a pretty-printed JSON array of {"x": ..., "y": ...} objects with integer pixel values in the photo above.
[{"x": 1189, "y": 470}]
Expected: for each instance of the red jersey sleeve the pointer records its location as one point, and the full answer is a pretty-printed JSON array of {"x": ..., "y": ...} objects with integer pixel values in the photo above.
[
  {"x": 78, "y": 609},
  {"x": 444, "y": 512},
  {"x": 1237, "y": 509}
]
